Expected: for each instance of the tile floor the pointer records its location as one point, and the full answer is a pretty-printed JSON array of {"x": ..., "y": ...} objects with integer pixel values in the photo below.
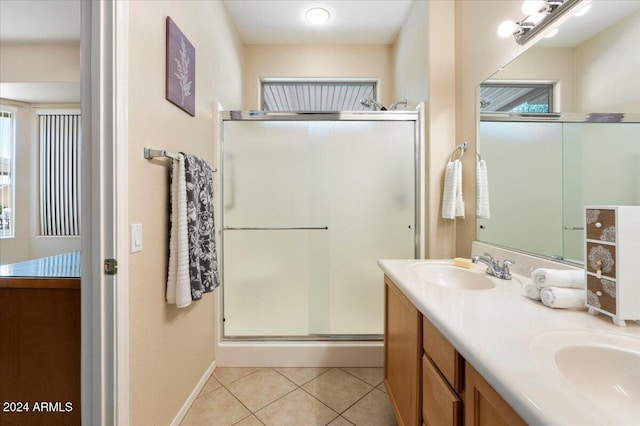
[{"x": 293, "y": 396}]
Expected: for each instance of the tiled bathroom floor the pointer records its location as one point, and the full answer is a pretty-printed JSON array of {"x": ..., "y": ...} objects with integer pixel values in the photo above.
[{"x": 293, "y": 396}]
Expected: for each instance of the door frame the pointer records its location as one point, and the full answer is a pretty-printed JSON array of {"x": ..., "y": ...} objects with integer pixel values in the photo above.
[{"x": 104, "y": 298}]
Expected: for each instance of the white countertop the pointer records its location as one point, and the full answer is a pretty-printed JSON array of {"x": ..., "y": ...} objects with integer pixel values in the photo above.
[{"x": 492, "y": 329}]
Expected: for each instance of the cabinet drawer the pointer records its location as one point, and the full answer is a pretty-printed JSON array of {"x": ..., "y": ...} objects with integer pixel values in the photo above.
[
  {"x": 601, "y": 225},
  {"x": 603, "y": 253},
  {"x": 440, "y": 404},
  {"x": 601, "y": 293},
  {"x": 443, "y": 354}
]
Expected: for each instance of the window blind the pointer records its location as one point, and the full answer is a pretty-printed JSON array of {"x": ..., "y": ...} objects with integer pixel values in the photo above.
[{"x": 59, "y": 174}]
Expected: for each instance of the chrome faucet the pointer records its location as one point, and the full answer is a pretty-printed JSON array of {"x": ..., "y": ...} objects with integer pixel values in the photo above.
[{"x": 493, "y": 267}]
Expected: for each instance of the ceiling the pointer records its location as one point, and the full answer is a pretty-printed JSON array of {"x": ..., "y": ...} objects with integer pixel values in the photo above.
[
  {"x": 351, "y": 21},
  {"x": 39, "y": 21}
]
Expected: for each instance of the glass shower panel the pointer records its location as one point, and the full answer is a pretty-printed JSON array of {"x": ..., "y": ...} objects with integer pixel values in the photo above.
[
  {"x": 274, "y": 175},
  {"x": 371, "y": 215},
  {"x": 272, "y": 279},
  {"x": 309, "y": 208}
]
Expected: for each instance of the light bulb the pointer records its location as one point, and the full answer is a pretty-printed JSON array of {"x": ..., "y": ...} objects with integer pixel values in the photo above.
[
  {"x": 507, "y": 28},
  {"x": 317, "y": 15},
  {"x": 536, "y": 18},
  {"x": 530, "y": 7}
]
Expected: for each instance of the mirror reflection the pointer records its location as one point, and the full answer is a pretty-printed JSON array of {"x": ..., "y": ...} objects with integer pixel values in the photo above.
[
  {"x": 39, "y": 132},
  {"x": 560, "y": 130}
]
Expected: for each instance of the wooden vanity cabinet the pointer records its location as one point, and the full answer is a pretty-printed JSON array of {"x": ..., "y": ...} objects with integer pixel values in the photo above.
[
  {"x": 483, "y": 406},
  {"x": 402, "y": 351},
  {"x": 429, "y": 383},
  {"x": 442, "y": 378}
]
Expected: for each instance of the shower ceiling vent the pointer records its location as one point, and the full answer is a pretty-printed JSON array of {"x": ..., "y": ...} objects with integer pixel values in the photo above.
[{"x": 316, "y": 96}]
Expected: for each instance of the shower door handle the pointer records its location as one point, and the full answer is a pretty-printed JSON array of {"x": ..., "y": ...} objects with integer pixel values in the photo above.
[{"x": 321, "y": 228}]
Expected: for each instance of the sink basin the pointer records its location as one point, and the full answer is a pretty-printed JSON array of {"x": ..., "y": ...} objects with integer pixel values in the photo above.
[
  {"x": 447, "y": 275},
  {"x": 603, "y": 366}
]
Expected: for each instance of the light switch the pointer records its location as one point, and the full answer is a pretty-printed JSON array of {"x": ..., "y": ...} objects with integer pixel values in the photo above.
[{"x": 136, "y": 237}]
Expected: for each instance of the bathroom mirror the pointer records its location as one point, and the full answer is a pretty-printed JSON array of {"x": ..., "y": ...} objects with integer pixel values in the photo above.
[
  {"x": 39, "y": 94},
  {"x": 544, "y": 168}
]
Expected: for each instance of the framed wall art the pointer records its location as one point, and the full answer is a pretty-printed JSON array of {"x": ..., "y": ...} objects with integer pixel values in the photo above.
[{"x": 181, "y": 69}]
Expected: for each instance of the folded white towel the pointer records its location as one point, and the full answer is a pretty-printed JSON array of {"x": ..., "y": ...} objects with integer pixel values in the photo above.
[
  {"x": 564, "y": 298},
  {"x": 178, "y": 281},
  {"x": 482, "y": 191},
  {"x": 452, "y": 202},
  {"x": 532, "y": 291},
  {"x": 544, "y": 277}
]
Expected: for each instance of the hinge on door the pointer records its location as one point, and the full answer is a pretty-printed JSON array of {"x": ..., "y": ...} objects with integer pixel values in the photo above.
[{"x": 110, "y": 266}]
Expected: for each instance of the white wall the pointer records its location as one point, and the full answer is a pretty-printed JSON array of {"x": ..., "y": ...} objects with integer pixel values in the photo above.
[
  {"x": 33, "y": 64},
  {"x": 317, "y": 61},
  {"x": 170, "y": 348}
]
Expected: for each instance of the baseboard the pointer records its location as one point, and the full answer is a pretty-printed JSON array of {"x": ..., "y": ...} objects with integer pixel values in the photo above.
[{"x": 194, "y": 394}]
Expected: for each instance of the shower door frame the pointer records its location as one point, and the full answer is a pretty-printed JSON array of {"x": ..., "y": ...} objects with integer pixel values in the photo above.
[{"x": 416, "y": 117}]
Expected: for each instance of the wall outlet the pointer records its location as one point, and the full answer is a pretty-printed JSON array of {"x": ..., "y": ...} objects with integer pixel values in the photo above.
[{"x": 136, "y": 237}]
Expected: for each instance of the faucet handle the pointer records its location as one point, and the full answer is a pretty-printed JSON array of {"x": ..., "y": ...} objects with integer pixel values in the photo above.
[
  {"x": 489, "y": 256},
  {"x": 506, "y": 264}
]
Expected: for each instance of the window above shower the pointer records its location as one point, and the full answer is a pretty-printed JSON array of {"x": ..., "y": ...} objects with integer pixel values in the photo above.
[
  {"x": 317, "y": 95},
  {"x": 516, "y": 97}
]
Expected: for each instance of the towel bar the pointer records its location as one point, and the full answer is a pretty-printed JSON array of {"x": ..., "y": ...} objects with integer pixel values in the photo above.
[
  {"x": 150, "y": 154},
  {"x": 462, "y": 147}
]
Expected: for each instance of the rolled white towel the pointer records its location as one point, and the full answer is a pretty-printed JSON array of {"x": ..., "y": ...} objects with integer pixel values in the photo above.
[
  {"x": 532, "y": 291},
  {"x": 449, "y": 192},
  {"x": 543, "y": 277},
  {"x": 563, "y": 298}
]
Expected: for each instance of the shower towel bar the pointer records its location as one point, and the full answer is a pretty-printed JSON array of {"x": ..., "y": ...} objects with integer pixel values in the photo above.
[
  {"x": 462, "y": 147},
  {"x": 277, "y": 229},
  {"x": 151, "y": 153}
]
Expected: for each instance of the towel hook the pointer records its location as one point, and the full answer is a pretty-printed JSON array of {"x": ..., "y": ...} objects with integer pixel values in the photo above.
[{"x": 462, "y": 147}]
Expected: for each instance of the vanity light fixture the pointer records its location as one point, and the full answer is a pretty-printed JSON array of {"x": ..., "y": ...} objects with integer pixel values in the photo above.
[
  {"x": 540, "y": 15},
  {"x": 317, "y": 15}
]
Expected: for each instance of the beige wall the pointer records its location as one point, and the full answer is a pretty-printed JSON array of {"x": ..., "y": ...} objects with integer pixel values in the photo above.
[
  {"x": 479, "y": 53},
  {"x": 170, "y": 348},
  {"x": 39, "y": 63},
  {"x": 311, "y": 61},
  {"x": 551, "y": 64},
  {"x": 608, "y": 81},
  {"x": 33, "y": 64},
  {"x": 410, "y": 55}
]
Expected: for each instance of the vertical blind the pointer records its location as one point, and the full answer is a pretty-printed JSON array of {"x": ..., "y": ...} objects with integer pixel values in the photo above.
[{"x": 60, "y": 174}]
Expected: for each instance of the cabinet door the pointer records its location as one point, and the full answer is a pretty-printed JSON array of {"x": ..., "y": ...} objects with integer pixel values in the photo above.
[
  {"x": 482, "y": 404},
  {"x": 440, "y": 404},
  {"x": 402, "y": 352}
]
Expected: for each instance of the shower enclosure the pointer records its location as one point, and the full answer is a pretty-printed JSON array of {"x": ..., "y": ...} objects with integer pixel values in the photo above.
[{"x": 309, "y": 203}]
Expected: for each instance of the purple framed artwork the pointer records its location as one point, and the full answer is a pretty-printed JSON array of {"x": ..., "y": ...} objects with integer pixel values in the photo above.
[{"x": 181, "y": 69}]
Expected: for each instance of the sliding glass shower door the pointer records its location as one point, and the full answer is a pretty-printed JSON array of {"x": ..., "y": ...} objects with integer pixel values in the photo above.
[{"x": 308, "y": 208}]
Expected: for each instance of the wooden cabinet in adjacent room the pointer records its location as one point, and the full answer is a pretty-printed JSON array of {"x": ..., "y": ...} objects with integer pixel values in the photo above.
[{"x": 40, "y": 351}]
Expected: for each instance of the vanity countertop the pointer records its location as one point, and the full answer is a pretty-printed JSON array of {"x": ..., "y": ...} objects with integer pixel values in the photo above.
[
  {"x": 65, "y": 265},
  {"x": 496, "y": 329}
]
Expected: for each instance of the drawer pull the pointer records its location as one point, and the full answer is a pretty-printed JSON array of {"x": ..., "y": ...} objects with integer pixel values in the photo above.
[
  {"x": 598, "y": 293},
  {"x": 598, "y": 225},
  {"x": 599, "y": 270}
]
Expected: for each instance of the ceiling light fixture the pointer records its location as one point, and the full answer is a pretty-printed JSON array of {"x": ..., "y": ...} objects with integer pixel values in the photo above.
[
  {"x": 317, "y": 15},
  {"x": 540, "y": 15}
]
